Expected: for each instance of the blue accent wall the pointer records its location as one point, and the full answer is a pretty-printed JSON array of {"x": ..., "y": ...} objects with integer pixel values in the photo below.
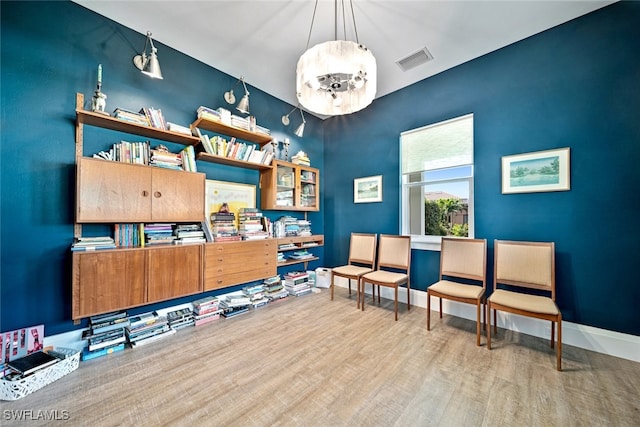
[
  {"x": 50, "y": 51},
  {"x": 576, "y": 85}
]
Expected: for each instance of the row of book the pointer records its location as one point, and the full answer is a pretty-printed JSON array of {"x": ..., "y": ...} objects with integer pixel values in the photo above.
[
  {"x": 224, "y": 116},
  {"x": 93, "y": 243},
  {"x": 141, "y": 153},
  {"x": 288, "y": 226},
  {"x": 234, "y": 149}
]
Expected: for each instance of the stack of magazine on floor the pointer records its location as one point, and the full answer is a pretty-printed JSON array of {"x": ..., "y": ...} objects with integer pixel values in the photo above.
[
  {"x": 255, "y": 293},
  {"x": 235, "y": 304},
  {"x": 179, "y": 319},
  {"x": 106, "y": 334},
  {"x": 146, "y": 328},
  {"x": 297, "y": 283},
  {"x": 206, "y": 310}
]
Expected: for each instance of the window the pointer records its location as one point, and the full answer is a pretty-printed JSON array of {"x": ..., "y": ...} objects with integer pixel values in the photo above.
[{"x": 436, "y": 168}]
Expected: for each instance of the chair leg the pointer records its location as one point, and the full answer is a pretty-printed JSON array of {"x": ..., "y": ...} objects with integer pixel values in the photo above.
[
  {"x": 379, "y": 293},
  {"x": 362, "y": 293},
  {"x": 349, "y": 286},
  {"x": 440, "y": 301},
  {"x": 495, "y": 320},
  {"x": 408, "y": 297},
  {"x": 395, "y": 301},
  {"x": 332, "y": 287},
  {"x": 357, "y": 293},
  {"x": 478, "y": 325},
  {"x": 488, "y": 326},
  {"x": 559, "y": 349},
  {"x": 553, "y": 332},
  {"x": 428, "y": 310}
]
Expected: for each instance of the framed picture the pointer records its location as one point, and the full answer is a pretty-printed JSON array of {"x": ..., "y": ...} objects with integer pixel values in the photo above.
[
  {"x": 534, "y": 172},
  {"x": 235, "y": 195},
  {"x": 368, "y": 189}
]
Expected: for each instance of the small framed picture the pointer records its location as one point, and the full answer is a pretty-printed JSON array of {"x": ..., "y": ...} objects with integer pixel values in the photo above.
[
  {"x": 537, "y": 171},
  {"x": 367, "y": 189}
]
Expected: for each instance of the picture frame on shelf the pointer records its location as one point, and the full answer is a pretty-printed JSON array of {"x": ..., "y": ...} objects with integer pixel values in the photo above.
[
  {"x": 234, "y": 194},
  {"x": 539, "y": 171},
  {"x": 367, "y": 189}
]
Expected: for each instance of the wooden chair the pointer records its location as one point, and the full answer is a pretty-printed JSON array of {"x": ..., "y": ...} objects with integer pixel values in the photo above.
[
  {"x": 394, "y": 263},
  {"x": 362, "y": 259},
  {"x": 461, "y": 259},
  {"x": 528, "y": 265}
]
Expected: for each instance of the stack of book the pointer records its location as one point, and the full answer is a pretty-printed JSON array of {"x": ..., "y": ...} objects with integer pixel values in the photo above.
[
  {"x": 286, "y": 226},
  {"x": 251, "y": 224},
  {"x": 206, "y": 310},
  {"x": 129, "y": 235},
  {"x": 127, "y": 152},
  {"x": 301, "y": 158},
  {"x": 131, "y": 117},
  {"x": 158, "y": 234},
  {"x": 214, "y": 115},
  {"x": 165, "y": 159},
  {"x": 273, "y": 289},
  {"x": 224, "y": 227},
  {"x": 255, "y": 293},
  {"x": 235, "y": 304},
  {"x": 173, "y": 127},
  {"x": 300, "y": 255},
  {"x": 297, "y": 283},
  {"x": 106, "y": 334},
  {"x": 92, "y": 243},
  {"x": 146, "y": 328},
  {"x": 304, "y": 227},
  {"x": 189, "y": 233},
  {"x": 179, "y": 319}
]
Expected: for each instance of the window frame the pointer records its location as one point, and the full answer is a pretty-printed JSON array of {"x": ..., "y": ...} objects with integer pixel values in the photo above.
[{"x": 433, "y": 242}]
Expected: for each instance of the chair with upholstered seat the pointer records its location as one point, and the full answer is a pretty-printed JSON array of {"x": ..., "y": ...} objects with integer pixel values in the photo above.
[
  {"x": 393, "y": 268},
  {"x": 362, "y": 258},
  {"x": 526, "y": 266},
  {"x": 463, "y": 276}
]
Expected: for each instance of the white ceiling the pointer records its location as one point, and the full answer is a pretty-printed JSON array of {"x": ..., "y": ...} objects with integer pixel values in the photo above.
[{"x": 263, "y": 39}]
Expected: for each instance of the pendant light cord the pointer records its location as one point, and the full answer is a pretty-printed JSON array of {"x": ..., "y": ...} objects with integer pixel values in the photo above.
[{"x": 313, "y": 18}]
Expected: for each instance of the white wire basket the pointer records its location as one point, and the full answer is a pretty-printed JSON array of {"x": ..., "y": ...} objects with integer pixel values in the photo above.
[{"x": 14, "y": 390}]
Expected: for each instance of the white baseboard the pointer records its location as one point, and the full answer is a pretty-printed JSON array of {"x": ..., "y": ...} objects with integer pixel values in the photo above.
[{"x": 600, "y": 340}]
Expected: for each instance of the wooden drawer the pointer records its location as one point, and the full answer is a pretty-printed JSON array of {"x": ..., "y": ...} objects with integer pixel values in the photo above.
[{"x": 232, "y": 263}]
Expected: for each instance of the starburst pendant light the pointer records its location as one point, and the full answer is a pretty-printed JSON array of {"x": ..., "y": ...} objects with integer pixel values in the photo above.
[{"x": 336, "y": 77}]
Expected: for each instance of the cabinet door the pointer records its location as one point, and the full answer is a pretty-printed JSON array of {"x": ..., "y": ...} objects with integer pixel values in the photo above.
[
  {"x": 107, "y": 281},
  {"x": 177, "y": 196},
  {"x": 112, "y": 192},
  {"x": 174, "y": 271},
  {"x": 308, "y": 188}
]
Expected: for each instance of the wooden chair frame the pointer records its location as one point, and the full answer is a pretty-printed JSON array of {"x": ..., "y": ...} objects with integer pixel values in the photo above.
[
  {"x": 390, "y": 261},
  {"x": 461, "y": 258},
  {"x": 522, "y": 258},
  {"x": 362, "y": 260}
]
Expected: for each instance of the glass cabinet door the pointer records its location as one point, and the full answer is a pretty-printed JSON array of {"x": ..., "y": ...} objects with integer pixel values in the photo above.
[
  {"x": 308, "y": 188},
  {"x": 285, "y": 183}
]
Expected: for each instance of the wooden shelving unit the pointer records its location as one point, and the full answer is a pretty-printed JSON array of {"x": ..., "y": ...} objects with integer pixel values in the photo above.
[
  {"x": 299, "y": 242},
  {"x": 212, "y": 158},
  {"x": 221, "y": 128}
]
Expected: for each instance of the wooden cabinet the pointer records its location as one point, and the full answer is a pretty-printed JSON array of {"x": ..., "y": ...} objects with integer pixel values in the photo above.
[
  {"x": 112, "y": 280},
  {"x": 291, "y": 187},
  {"x": 233, "y": 263},
  {"x": 120, "y": 192},
  {"x": 297, "y": 243}
]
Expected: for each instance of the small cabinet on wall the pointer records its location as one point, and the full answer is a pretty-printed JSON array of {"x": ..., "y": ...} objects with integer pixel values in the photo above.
[
  {"x": 120, "y": 192},
  {"x": 233, "y": 263},
  {"x": 288, "y": 186},
  {"x": 111, "y": 280}
]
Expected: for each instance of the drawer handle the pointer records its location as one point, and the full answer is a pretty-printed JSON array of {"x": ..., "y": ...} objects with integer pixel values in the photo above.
[
  {"x": 219, "y": 281},
  {"x": 145, "y": 193},
  {"x": 157, "y": 194}
]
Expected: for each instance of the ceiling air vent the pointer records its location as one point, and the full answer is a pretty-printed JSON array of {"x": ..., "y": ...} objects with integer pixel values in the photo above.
[{"x": 415, "y": 59}]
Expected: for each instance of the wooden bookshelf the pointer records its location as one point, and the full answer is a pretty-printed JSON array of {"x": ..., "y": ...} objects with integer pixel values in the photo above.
[
  {"x": 213, "y": 158},
  {"x": 221, "y": 128}
]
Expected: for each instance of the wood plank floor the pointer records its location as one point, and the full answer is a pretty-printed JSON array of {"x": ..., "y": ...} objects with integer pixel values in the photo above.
[{"x": 309, "y": 361}]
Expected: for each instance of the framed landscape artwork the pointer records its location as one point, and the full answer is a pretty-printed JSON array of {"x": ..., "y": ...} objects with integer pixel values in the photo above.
[
  {"x": 535, "y": 172},
  {"x": 368, "y": 189}
]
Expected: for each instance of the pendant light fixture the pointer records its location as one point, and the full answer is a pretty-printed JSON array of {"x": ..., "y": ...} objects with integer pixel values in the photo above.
[{"x": 336, "y": 77}]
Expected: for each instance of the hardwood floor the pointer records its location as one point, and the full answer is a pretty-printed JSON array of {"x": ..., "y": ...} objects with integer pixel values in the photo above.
[{"x": 309, "y": 361}]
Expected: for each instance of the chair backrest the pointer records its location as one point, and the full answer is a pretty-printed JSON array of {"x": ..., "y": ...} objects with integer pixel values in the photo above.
[
  {"x": 394, "y": 252},
  {"x": 362, "y": 249},
  {"x": 525, "y": 264},
  {"x": 464, "y": 258}
]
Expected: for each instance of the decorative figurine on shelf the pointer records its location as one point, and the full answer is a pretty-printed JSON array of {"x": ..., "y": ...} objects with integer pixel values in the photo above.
[
  {"x": 99, "y": 101},
  {"x": 275, "y": 144},
  {"x": 286, "y": 149}
]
